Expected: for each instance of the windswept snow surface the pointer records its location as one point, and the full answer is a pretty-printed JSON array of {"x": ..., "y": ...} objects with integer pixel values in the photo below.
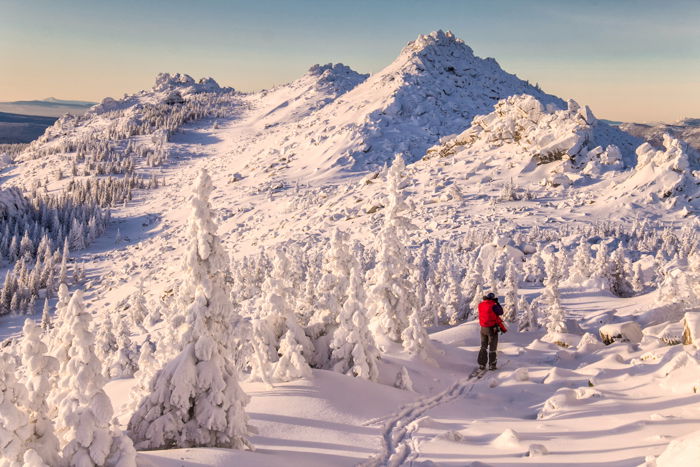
[{"x": 299, "y": 160}]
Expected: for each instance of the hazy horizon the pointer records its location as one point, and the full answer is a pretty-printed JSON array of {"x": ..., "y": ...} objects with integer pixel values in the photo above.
[{"x": 629, "y": 61}]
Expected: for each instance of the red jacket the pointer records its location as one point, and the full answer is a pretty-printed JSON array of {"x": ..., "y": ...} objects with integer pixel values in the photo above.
[{"x": 489, "y": 314}]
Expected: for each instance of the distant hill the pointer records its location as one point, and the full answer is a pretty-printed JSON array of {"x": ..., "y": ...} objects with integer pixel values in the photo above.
[
  {"x": 49, "y": 107},
  {"x": 15, "y": 128},
  {"x": 687, "y": 129}
]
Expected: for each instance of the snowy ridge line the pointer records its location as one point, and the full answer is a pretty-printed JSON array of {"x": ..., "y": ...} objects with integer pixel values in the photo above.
[{"x": 397, "y": 442}]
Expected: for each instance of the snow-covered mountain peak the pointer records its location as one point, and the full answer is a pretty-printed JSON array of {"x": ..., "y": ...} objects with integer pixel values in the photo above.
[
  {"x": 437, "y": 42},
  {"x": 433, "y": 88}
]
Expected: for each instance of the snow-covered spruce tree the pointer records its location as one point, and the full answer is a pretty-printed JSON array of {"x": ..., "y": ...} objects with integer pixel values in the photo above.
[
  {"x": 527, "y": 318},
  {"x": 451, "y": 296},
  {"x": 581, "y": 269},
  {"x": 63, "y": 273},
  {"x": 554, "y": 315},
  {"x": 391, "y": 293},
  {"x": 601, "y": 266},
  {"x": 477, "y": 298},
  {"x": 138, "y": 310},
  {"x": 510, "y": 305},
  {"x": 414, "y": 337},
  {"x": 105, "y": 342},
  {"x": 124, "y": 360},
  {"x": 331, "y": 290},
  {"x": 59, "y": 337},
  {"x": 472, "y": 288},
  {"x": 534, "y": 269},
  {"x": 277, "y": 312},
  {"x": 619, "y": 284},
  {"x": 84, "y": 410},
  {"x": 15, "y": 429},
  {"x": 39, "y": 370},
  {"x": 45, "y": 316},
  {"x": 195, "y": 399},
  {"x": 291, "y": 364},
  {"x": 354, "y": 351},
  {"x": 264, "y": 354},
  {"x": 147, "y": 367},
  {"x": 637, "y": 282}
]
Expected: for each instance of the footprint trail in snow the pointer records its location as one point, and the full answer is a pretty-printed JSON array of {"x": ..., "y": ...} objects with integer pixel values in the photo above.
[{"x": 398, "y": 445}]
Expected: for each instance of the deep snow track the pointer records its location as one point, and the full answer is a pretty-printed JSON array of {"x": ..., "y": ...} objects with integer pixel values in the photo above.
[{"x": 398, "y": 445}]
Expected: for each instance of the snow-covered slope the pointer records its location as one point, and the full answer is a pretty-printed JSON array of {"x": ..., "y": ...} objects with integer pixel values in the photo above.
[{"x": 291, "y": 102}]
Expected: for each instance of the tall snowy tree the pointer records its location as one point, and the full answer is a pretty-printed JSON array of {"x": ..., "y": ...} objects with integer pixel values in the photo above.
[
  {"x": 554, "y": 314},
  {"x": 15, "y": 429},
  {"x": 84, "y": 410},
  {"x": 124, "y": 360},
  {"x": 63, "y": 273},
  {"x": 390, "y": 296},
  {"x": 276, "y": 308},
  {"x": 414, "y": 337},
  {"x": 330, "y": 295},
  {"x": 353, "y": 348},
  {"x": 195, "y": 399},
  {"x": 527, "y": 319},
  {"x": 45, "y": 316},
  {"x": 138, "y": 310},
  {"x": 40, "y": 369},
  {"x": 581, "y": 268},
  {"x": 264, "y": 354},
  {"x": 510, "y": 305},
  {"x": 619, "y": 285}
]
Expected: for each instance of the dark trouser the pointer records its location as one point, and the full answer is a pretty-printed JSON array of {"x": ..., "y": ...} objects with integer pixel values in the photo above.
[{"x": 489, "y": 341}]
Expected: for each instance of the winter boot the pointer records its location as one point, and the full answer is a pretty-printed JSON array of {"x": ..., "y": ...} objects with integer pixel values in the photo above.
[
  {"x": 492, "y": 366},
  {"x": 482, "y": 367}
]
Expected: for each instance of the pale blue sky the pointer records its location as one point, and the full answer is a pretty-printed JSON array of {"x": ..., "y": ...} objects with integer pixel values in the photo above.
[{"x": 629, "y": 60}]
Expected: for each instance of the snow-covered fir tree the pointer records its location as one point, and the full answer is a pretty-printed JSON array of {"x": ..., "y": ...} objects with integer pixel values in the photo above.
[
  {"x": 581, "y": 268},
  {"x": 123, "y": 362},
  {"x": 354, "y": 351},
  {"x": 291, "y": 364},
  {"x": 618, "y": 273},
  {"x": 276, "y": 308},
  {"x": 554, "y": 314},
  {"x": 414, "y": 337},
  {"x": 264, "y": 354},
  {"x": 330, "y": 295},
  {"x": 527, "y": 317},
  {"x": 46, "y": 316},
  {"x": 84, "y": 410},
  {"x": 15, "y": 427},
  {"x": 510, "y": 305},
  {"x": 478, "y": 298},
  {"x": 195, "y": 399},
  {"x": 391, "y": 295},
  {"x": 147, "y": 367},
  {"x": 105, "y": 341},
  {"x": 138, "y": 310},
  {"x": 40, "y": 369}
]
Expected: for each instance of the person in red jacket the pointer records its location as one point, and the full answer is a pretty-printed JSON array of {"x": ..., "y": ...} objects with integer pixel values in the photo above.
[{"x": 491, "y": 323}]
